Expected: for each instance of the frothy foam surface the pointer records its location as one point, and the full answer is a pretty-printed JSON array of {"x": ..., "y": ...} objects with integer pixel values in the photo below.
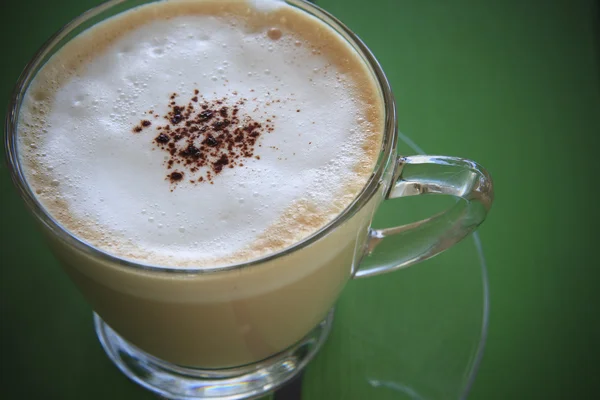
[{"x": 91, "y": 121}]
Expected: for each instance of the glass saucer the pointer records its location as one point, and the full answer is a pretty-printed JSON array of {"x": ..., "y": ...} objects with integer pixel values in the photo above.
[{"x": 417, "y": 333}]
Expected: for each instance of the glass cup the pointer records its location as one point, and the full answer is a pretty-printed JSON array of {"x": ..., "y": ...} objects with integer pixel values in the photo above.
[{"x": 240, "y": 331}]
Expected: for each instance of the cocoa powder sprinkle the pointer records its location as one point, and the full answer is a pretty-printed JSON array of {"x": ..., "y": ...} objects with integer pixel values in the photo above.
[
  {"x": 205, "y": 136},
  {"x": 162, "y": 138},
  {"x": 175, "y": 176}
]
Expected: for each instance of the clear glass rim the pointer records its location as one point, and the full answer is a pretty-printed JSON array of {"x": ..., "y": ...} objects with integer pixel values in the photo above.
[{"x": 386, "y": 154}]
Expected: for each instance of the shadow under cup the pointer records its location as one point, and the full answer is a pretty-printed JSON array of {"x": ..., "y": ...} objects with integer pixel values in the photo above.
[{"x": 242, "y": 330}]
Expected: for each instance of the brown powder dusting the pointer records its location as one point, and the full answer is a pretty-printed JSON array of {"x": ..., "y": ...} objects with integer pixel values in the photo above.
[
  {"x": 206, "y": 136},
  {"x": 175, "y": 176},
  {"x": 143, "y": 124},
  {"x": 162, "y": 138}
]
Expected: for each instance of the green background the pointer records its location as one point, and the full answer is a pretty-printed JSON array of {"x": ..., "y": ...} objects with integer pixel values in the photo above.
[{"x": 514, "y": 85}]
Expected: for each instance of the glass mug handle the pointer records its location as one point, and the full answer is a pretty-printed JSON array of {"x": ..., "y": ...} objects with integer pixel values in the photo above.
[{"x": 418, "y": 241}]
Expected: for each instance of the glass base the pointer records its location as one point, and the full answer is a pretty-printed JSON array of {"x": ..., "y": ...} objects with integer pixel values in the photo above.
[{"x": 183, "y": 383}]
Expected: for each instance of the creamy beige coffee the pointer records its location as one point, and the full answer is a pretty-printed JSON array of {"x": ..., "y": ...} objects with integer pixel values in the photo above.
[{"x": 199, "y": 134}]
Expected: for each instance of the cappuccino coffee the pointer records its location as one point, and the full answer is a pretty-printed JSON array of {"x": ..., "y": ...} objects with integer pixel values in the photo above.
[
  {"x": 200, "y": 133},
  {"x": 188, "y": 136}
]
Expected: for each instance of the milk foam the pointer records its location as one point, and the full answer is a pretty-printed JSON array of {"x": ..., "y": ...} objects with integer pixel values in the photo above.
[{"x": 83, "y": 156}]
